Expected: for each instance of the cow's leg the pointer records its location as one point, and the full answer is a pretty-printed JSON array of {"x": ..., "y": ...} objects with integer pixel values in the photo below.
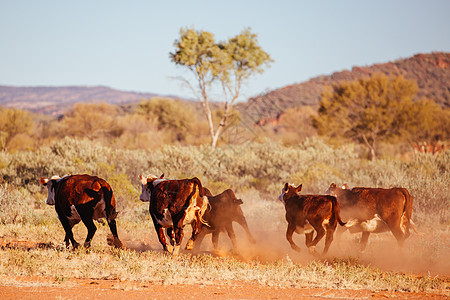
[
  {"x": 200, "y": 237},
  {"x": 113, "y": 228},
  {"x": 328, "y": 239},
  {"x": 86, "y": 212},
  {"x": 364, "y": 240},
  {"x": 215, "y": 239},
  {"x": 339, "y": 232},
  {"x": 399, "y": 235},
  {"x": 68, "y": 229},
  {"x": 179, "y": 234},
  {"x": 196, "y": 229},
  {"x": 162, "y": 238},
  {"x": 309, "y": 238},
  {"x": 195, "y": 232},
  {"x": 290, "y": 231},
  {"x": 169, "y": 232},
  {"x": 231, "y": 235},
  {"x": 320, "y": 233},
  {"x": 243, "y": 223}
]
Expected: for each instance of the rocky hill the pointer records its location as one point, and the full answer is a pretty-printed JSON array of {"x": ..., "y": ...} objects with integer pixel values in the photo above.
[
  {"x": 431, "y": 72},
  {"x": 55, "y": 100}
]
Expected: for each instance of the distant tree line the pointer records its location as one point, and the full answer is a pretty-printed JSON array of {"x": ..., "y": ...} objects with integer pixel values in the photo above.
[{"x": 370, "y": 112}]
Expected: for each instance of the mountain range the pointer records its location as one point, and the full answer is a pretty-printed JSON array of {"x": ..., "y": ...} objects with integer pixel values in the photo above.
[{"x": 430, "y": 71}]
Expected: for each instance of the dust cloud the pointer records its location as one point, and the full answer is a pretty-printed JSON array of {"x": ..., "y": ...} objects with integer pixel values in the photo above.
[{"x": 426, "y": 253}]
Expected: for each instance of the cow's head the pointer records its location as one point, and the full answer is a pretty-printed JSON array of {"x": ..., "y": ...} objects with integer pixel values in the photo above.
[
  {"x": 288, "y": 191},
  {"x": 147, "y": 183},
  {"x": 334, "y": 190},
  {"x": 51, "y": 187}
]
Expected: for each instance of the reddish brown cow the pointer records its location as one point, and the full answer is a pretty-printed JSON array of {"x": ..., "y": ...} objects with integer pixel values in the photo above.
[
  {"x": 224, "y": 209},
  {"x": 82, "y": 198},
  {"x": 374, "y": 210},
  {"x": 306, "y": 213},
  {"x": 173, "y": 204}
]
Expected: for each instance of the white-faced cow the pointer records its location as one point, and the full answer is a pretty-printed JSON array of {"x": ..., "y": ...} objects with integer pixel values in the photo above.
[
  {"x": 306, "y": 213},
  {"x": 224, "y": 209},
  {"x": 82, "y": 198},
  {"x": 174, "y": 204},
  {"x": 375, "y": 210}
]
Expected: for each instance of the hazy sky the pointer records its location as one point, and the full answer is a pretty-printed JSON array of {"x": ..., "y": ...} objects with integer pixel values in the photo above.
[{"x": 125, "y": 44}]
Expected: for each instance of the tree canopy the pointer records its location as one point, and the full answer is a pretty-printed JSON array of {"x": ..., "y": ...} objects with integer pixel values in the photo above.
[
  {"x": 14, "y": 123},
  {"x": 373, "y": 109},
  {"x": 227, "y": 63}
]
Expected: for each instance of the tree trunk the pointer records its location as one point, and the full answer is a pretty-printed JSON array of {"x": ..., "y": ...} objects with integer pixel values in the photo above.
[{"x": 371, "y": 147}]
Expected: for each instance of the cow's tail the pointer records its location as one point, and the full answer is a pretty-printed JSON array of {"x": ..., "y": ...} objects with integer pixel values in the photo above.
[
  {"x": 337, "y": 210},
  {"x": 110, "y": 203},
  {"x": 405, "y": 221}
]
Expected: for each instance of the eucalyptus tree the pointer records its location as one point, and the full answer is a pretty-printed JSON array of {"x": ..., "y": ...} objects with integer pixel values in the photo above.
[
  {"x": 227, "y": 64},
  {"x": 371, "y": 109}
]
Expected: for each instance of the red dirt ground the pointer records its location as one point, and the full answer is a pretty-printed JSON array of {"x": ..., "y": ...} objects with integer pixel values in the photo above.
[{"x": 35, "y": 288}]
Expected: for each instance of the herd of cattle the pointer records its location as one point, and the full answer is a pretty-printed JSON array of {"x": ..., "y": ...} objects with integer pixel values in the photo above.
[{"x": 176, "y": 203}]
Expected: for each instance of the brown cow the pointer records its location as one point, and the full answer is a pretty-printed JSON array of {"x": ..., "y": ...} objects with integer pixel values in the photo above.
[
  {"x": 225, "y": 209},
  {"x": 173, "y": 204},
  {"x": 82, "y": 198},
  {"x": 306, "y": 213},
  {"x": 375, "y": 210}
]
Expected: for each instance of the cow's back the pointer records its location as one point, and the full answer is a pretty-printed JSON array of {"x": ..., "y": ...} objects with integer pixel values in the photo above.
[
  {"x": 173, "y": 195},
  {"x": 225, "y": 208},
  {"x": 384, "y": 202},
  {"x": 76, "y": 190}
]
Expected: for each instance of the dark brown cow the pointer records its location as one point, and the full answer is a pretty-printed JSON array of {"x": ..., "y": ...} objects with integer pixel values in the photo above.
[
  {"x": 82, "y": 198},
  {"x": 173, "y": 204},
  {"x": 306, "y": 213},
  {"x": 224, "y": 209},
  {"x": 375, "y": 210}
]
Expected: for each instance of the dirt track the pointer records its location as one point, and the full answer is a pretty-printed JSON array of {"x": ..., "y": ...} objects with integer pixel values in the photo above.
[{"x": 45, "y": 288}]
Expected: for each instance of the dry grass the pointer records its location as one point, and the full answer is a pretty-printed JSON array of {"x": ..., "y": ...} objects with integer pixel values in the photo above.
[
  {"x": 31, "y": 235},
  {"x": 422, "y": 266}
]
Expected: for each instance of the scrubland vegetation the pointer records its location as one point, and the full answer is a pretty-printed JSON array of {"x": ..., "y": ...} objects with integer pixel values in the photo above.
[
  {"x": 256, "y": 172},
  {"x": 167, "y": 136}
]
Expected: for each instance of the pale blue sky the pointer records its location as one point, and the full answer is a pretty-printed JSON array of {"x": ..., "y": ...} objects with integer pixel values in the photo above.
[{"x": 125, "y": 44}]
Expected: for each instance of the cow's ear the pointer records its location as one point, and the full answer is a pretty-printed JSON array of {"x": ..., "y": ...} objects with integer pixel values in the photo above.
[
  {"x": 162, "y": 176},
  {"x": 299, "y": 188},
  {"x": 96, "y": 186},
  {"x": 143, "y": 180},
  {"x": 43, "y": 180},
  {"x": 286, "y": 186},
  {"x": 238, "y": 201},
  {"x": 333, "y": 185}
]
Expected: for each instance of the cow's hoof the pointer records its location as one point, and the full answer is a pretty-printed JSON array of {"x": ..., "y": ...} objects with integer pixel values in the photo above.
[
  {"x": 312, "y": 251},
  {"x": 296, "y": 248},
  {"x": 118, "y": 244},
  {"x": 176, "y": 250},
  {"x": 190, "y": 245},
  {"x": 169, "y": 248},
  {"x": 76, "y": 246}
]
